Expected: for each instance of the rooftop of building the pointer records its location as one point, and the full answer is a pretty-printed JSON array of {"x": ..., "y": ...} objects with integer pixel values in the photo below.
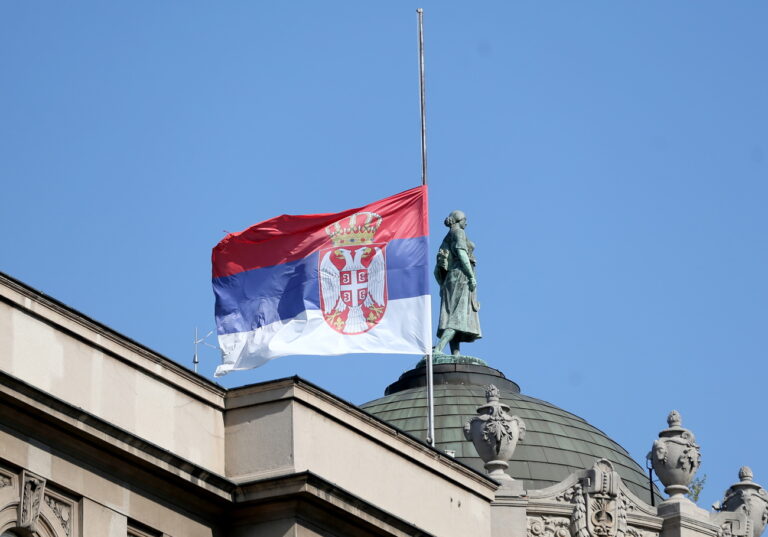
[{"x": 556, "y": 443}]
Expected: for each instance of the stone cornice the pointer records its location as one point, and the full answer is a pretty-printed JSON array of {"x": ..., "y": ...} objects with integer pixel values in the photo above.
[
  {"x": 31, "y": 408},
  {"x": 74, "y": 433},
  {"x": 352, "y": 417},
  {"x": 310, "y": 487},
  {"x": 75, "y": 324}
]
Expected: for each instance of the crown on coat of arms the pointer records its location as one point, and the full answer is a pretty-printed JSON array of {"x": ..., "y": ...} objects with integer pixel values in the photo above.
[{"x": 358, "y": 228}]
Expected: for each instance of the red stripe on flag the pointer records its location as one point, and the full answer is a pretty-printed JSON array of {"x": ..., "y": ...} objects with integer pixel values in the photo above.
[{"x": 291, "y": 237}]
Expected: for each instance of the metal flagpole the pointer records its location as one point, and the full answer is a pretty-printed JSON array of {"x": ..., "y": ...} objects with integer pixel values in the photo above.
[
  {"x": 430, "y": 378},
  {"x": 423, "y": 99}
]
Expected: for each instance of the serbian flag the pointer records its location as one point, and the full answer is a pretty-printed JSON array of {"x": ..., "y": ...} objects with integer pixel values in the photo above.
[{"x": 321, "y": 284}]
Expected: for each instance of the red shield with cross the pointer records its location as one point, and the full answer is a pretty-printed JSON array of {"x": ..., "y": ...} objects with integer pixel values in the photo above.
[{"x": 353, "y": 286}]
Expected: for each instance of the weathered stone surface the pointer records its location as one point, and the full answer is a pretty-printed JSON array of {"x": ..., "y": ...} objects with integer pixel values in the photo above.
[
  {"x": 748, "y": 497},
  {"x": 675, "y": 457},
  {"x": 32, "y": 489},
  {"x": 594, "y": 502},
  {"x": 495, "y": 434}
]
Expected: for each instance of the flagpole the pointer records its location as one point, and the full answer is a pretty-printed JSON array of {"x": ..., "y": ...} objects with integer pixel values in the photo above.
[
  {"x": 423, "y": 99},
  {"x": 422, "y": 102}
]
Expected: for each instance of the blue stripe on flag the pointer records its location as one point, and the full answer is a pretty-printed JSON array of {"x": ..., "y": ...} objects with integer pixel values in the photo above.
[{"x": 258, "y": 297}]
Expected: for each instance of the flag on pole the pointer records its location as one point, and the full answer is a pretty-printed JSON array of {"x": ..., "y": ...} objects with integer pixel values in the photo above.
[{"x": 323, "y": 284}]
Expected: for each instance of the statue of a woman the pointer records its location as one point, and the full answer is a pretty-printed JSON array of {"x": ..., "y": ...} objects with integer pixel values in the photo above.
[{"x": 455, "y": 272}]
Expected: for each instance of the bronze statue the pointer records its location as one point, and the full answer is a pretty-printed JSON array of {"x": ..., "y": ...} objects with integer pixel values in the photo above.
[{"x": 455, "y": 272}]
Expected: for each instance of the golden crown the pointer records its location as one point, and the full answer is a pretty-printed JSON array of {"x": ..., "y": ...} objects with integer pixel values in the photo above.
[{"x": 358, "y": 228}]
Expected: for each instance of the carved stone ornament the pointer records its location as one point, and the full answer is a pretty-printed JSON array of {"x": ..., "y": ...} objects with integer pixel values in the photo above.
[
  {"x": 601, "y": 509},
  {"x": 675, "y": 457},
  {"x": 732, "y": 524},
  {"x": 548, "y": 526},
  {"x": 748, "y": 497},
  {"x": 63, "y": 512},
  {"x": 32, "y": 490},
  {"x": 5, "y": 481},
  {"x": 495, "y": 434}
]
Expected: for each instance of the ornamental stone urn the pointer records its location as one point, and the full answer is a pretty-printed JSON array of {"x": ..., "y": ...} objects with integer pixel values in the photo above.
[
  {"x": 748, "y": 497},
  {"x": 675, "y": 457},
  {"x": 495, "y": 434}
]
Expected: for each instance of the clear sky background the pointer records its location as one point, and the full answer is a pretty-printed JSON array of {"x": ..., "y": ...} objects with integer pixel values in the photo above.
[{"x": 611, "y": 158}]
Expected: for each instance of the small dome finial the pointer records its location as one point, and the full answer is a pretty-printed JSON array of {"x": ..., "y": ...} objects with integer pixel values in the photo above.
[
  {"x": 745, "y": 473},
  {"x": 674, "y": 419}
]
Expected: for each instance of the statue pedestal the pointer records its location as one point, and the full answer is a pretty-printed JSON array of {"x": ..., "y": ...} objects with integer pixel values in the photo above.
[
  {"x": 509, "y": 487},
  {"x": 440, "y": 358},
  {"x": 683, "y": 518},
  {"x": 508, "y": 513}
]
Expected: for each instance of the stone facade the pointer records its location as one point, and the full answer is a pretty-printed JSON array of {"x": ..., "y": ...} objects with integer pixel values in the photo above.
[{"x": 101, "y": 437}]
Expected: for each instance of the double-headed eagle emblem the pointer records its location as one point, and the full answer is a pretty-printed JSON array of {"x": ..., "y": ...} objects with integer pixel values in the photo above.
[{"x": 353, "y": 275}]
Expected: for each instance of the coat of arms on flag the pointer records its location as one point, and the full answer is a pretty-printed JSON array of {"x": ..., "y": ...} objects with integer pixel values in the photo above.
[
  {"x": 355, "y": 281},
  {"x": 353, "y": 275}
]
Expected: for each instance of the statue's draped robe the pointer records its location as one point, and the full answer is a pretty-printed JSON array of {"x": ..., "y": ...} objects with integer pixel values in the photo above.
[{"x": 456, "y": 300}]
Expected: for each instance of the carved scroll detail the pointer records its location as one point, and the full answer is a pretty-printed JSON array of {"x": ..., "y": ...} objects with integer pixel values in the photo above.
[
  {"x": 548, "y": 526},
  {"x": 32, "y": 490},
  {"x": 63, "y": 512}
]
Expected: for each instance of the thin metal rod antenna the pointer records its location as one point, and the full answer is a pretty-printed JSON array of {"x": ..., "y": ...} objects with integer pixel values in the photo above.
[
  {"x": 195, "y": 359},
  {"x": 198, "y": 340},
  {"x": 430, "y": 373}
]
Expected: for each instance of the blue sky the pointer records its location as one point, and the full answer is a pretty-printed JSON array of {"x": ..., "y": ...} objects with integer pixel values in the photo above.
[{"x": 611, "y": 158}]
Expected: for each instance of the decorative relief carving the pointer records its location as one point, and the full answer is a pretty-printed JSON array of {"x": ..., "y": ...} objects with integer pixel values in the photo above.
[
  {"x": 548, "y": 526},
  {"x": 569, "y": 496},
  {"x": 495, "y": 434},
  {"x": 622, "y": 508},
  {"x": 601, "y": 507},
  {"x": 32, "y": 490},
  {"x": 605, "y": 510},
  {"x": 675, "y": 457},
  {"x": 579, "y": 516},
  {"x": 725, "y": 530},
  {"x": 5, "y": 481},
  {"x": 733, "y": 524},
  {"x": 63, "y": 512},
  {"x": 748, "y": 497}
]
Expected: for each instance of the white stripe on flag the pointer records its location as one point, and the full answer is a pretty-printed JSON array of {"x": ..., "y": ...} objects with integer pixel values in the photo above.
[{"x": 405, "y": 329}]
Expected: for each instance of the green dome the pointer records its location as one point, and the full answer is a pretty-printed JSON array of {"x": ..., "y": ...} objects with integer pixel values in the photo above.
[{"x": 556, "y": 442}]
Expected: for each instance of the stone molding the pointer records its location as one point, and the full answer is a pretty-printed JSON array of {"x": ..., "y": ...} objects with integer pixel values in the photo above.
[
  {"x": 745, "y": 497},
  {"x": 32, "y": 490},
  {"x": 303, "y": 392},
  {"x": 732, "y": 524},
  {"x": 317, "y": 491},
  {"x": 549, "y": 526},
  {"x": 56, "y": 313},
  {"x": 595, "y": 503},
  {"x": 97, "y": 432},
  {"x": 6, "y": 480},
  {"x": 29, "y": 507},
  {"x": 63, "y": 509}
]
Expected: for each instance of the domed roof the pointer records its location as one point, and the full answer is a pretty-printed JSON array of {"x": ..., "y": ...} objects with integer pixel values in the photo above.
[{"x": 556, "y": 443}]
